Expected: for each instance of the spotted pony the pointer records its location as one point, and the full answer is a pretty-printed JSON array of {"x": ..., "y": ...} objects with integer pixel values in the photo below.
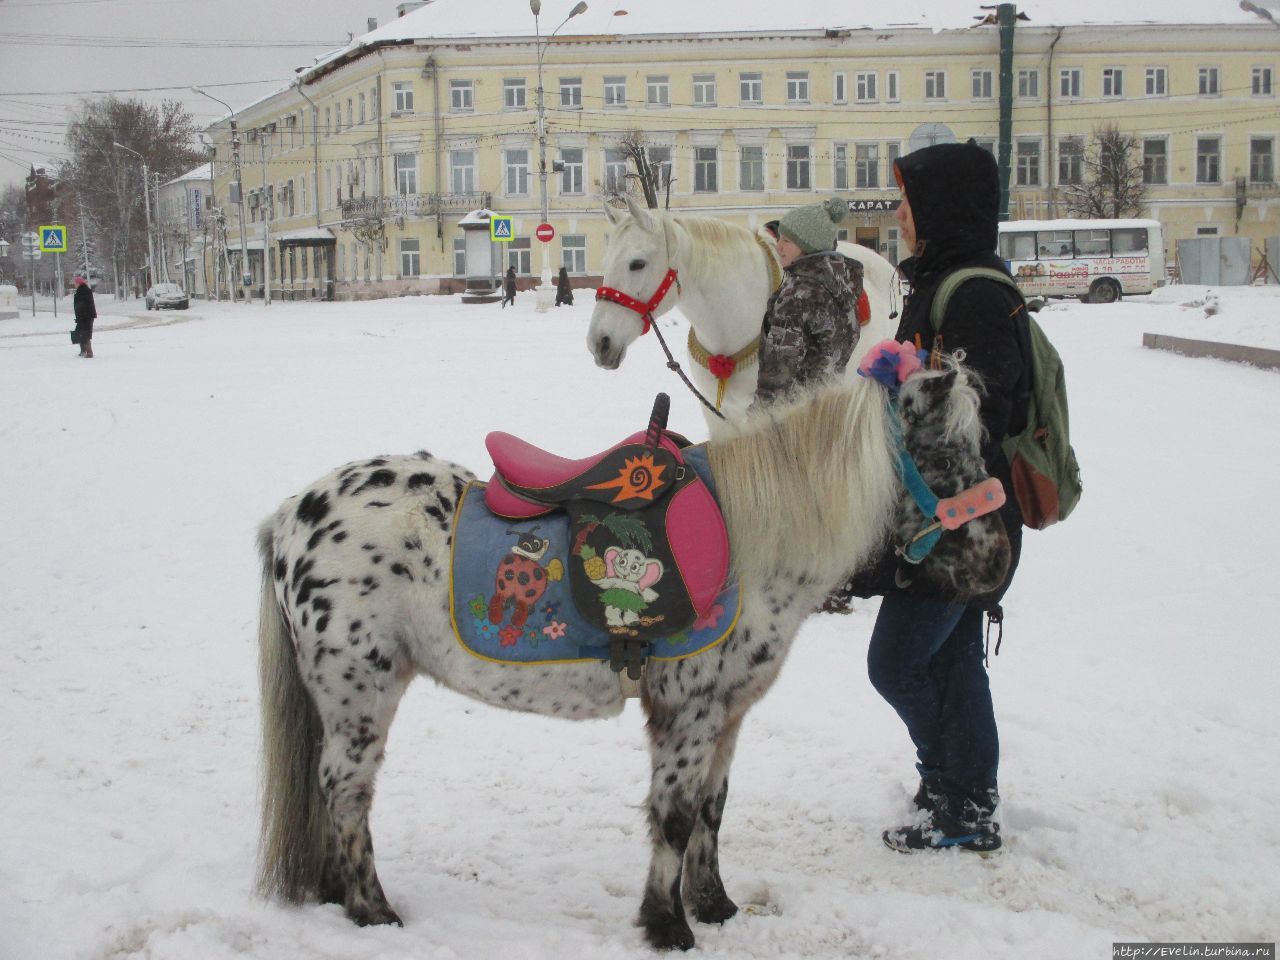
[{"x": 355, "y": 604}]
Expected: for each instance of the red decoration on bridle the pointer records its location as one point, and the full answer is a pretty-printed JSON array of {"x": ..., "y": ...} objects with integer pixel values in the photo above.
[{"x": 645, "y": 309}]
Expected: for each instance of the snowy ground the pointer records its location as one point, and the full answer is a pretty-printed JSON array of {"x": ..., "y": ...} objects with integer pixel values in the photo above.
[{"x": 1136, "y": 689}]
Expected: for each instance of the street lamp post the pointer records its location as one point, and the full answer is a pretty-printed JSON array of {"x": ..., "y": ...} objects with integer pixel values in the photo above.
[
  {"x": 146, "y": 202},
  {"x": 544, "y": 294},
  {"x": 239, "y": 189}
]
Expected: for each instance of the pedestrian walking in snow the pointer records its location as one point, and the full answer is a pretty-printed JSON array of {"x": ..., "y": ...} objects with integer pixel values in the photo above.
[
  {"x": 86, "y": 312},
  {"x": 564, "y": 292},
  {"x": 509, "y": 288}
]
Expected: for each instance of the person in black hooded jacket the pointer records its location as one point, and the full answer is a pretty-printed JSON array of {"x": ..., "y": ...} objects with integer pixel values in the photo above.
[{"x": 926, "y": 653}]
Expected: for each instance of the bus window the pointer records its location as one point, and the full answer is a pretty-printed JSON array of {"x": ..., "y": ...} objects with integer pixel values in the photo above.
[
  {"x": 1129, "y": 241},
  {"x": 1018, "y": 246},
  {"x": 1093, "y": 243},
  {"x": 1055, "y": 243}
]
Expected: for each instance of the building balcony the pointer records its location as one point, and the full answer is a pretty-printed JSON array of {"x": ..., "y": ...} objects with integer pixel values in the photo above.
[{"x": 413, "y": 205}]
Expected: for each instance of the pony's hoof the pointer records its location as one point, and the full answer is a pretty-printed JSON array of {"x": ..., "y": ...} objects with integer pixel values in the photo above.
[
  {"x": 375, "y": 917},
  {"x": 670, "y": 934},
  {"x": 717, "y": 910}
]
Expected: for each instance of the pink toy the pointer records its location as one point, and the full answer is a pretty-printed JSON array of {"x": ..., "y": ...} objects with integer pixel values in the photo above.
[{"x": 970, "y": 504}]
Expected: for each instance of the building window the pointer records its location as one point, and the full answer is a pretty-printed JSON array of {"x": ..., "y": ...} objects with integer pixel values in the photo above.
[
  {"x": 406, "y": 167},
  {"x": 657, "y": 91},
  {"x": 461, "y": 96},
  {"x": 704, "y": 89},
  {"x": 705, "y": 170},
  {"x": 1028, "y": 163},
  {"x": 403, "y": 96},
  {"x": 659, "y": 159},
  {"x": 520, "y": 256},
  {"x": 516, "y": 164},
  {"x": 840, "y": 152},
  {"x": 798, "y": 86},
  {"x": 362, "y": 108},
  {"x": 615, "y": 92},
  {"x": 1069, "y": 83},
  {"x": 839, "y": 88},
  {"x": 986, "y": 143},
  {"x": 866, "y": 165},
  {"x": 410, "y": 262},
  {"x": 1209, "y": 82},
  {"x": 615, "y": 171},
  {"x": 1157, "y": 82},
  {"x": 751, "y": 86},
  {"x": 1029, "y": 84},
  {"x": 981, "y": 84},
  {"x": 1208, "y": 160},
  {"x": 1155, "y": 161},
  {"x": 514, "y": 94},
  {"x": 573, "y": 177},
  {"x": 462, "y": 171},
  {"x": 751, "y": 168},
  {"x": 1113, "y": 82},
  {"x": 893, "y": 150},
  {"x": 350, "y": 115},
  {"x": 573, "y": 254},
  {"x": 798, "y": 167},
  {"x": 1262, "y": 81},
  {"x": 864, "y": 87},
  {"x": 891, "y": 86},
  {"x": 1070, "y": 161},
  {"x": 459, "y": 256},
  {"x": 570, "y": 93},
  {"x": 935, "y": 85},
  {"x": 1262, "y": 166}
]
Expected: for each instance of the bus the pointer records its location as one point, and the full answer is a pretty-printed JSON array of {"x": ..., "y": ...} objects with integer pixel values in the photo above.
[{"x": 1095, "y": 260}]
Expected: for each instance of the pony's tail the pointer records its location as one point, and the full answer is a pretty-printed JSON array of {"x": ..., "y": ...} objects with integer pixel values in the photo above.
[{"x": 295, "y": 821}]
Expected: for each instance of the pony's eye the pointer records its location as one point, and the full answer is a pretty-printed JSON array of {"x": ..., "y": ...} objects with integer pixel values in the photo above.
[{"x": 637, "y": 264}]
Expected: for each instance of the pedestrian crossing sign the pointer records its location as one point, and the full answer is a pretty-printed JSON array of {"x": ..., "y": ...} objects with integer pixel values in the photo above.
[
  {"x": 53, "y": 239},
  {"x": 500, "y": 229}
]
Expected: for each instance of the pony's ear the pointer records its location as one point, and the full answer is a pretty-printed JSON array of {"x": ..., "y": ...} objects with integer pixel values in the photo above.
[
  {"x": 612, "y": 214},
  {"x": 641, "y": 215}
]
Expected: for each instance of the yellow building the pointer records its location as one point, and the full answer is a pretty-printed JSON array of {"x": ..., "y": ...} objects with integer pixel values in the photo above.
[{"x": 366, "y": 165}]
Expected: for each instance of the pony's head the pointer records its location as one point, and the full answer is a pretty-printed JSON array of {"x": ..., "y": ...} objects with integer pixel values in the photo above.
[{"x": 640, "y": 249}]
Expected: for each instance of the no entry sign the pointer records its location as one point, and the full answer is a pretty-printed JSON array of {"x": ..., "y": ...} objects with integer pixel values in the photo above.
[{"x": 545, "y": 232}]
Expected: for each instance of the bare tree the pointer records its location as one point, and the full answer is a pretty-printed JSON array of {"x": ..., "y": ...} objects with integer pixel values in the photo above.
[
  {"x": 1112, "y": 185},
  {"x": 651, "y": 172}
]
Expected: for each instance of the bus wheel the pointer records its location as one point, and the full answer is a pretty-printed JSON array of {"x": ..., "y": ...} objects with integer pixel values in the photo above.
[{"x": 1105, "y": 290}]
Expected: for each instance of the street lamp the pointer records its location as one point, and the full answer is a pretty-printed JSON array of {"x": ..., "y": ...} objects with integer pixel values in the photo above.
[
  {"x": 543, "y": 296},
  {"x": 238, "y": 199},
  {"x": 146, "y": 202}
]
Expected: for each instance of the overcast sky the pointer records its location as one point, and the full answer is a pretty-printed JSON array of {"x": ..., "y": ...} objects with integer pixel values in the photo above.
[{"x": 54, "y": 52}]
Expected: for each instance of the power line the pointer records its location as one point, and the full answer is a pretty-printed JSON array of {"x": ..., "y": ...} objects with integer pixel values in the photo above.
[{"x": 181, "y": 86}]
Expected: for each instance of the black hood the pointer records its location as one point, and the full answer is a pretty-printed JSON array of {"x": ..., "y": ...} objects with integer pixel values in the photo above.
[{"x": 954, "y": 192}]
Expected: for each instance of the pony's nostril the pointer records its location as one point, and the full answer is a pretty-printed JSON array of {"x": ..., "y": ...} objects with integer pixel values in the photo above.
[{"x": 605, "y": 343}]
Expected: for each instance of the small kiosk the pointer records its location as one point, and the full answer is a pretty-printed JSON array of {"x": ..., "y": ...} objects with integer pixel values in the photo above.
[{"x": 483, "y": 259}]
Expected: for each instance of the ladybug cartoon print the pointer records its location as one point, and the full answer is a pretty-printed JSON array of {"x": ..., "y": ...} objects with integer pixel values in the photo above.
[{"x": 521, "y": 578}]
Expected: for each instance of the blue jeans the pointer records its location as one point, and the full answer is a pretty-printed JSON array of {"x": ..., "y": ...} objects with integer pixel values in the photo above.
[{"x": 926, "y": 660}]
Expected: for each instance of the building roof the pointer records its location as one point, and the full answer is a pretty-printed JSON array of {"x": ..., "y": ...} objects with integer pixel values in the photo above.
[
  {"x": 202, "y": 172},
  {"x": 445, "y": 19}
]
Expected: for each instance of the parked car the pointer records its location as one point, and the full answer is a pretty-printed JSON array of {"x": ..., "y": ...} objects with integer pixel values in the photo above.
[{"x": 166, "y": 296}]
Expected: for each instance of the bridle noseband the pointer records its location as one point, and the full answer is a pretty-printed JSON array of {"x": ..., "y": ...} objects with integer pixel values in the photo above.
[{"x": 642, "y": 307}]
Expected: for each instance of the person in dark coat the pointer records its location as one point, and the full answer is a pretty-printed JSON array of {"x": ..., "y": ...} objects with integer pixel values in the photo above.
[
  {"x": 810, "y": 325},
  {"x": 564, "y": 292},
  {"x": 86, "y": 313},
  {"x": 509, "y": 288},
  {"x": 926, "y": 654}
]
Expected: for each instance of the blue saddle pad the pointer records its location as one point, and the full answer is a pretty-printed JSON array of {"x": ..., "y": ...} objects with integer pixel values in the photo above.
[{"x": 510, "y": 599}]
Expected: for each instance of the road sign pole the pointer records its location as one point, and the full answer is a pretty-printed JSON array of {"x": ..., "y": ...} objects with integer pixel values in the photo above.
[{"x": 57, "y": 281}]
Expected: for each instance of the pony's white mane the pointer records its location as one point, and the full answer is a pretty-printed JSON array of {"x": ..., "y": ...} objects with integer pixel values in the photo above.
[{"x": 809, "y": 486}]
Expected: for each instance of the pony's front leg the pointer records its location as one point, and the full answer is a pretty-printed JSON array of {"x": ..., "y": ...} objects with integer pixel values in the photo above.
[
  {"x": 703, "y": 887},
  {"x": 682, "y": 740}
]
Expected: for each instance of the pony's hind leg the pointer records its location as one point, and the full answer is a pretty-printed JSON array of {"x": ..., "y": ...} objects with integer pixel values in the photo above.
[
  {"x": 683, "y": 734},
  {"x": 355, "y": 711},
  {"x": 703, "y": 887}
]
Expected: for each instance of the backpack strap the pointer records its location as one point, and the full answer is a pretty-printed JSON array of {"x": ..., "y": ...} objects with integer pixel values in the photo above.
[{"x": 938, "y": 309}]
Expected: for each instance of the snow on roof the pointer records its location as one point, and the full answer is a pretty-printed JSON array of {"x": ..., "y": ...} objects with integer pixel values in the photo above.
[
  {"x": 444, "y": 19},
  {"x": 1048, "y": 226},
  {"x": 202, "y": 172}
]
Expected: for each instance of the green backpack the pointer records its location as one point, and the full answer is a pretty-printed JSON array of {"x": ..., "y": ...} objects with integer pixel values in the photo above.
[{"x": 1046, "y": 475}]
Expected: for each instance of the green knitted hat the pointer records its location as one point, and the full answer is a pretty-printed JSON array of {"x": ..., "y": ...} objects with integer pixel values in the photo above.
[{"x": 813, "y": 228}]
